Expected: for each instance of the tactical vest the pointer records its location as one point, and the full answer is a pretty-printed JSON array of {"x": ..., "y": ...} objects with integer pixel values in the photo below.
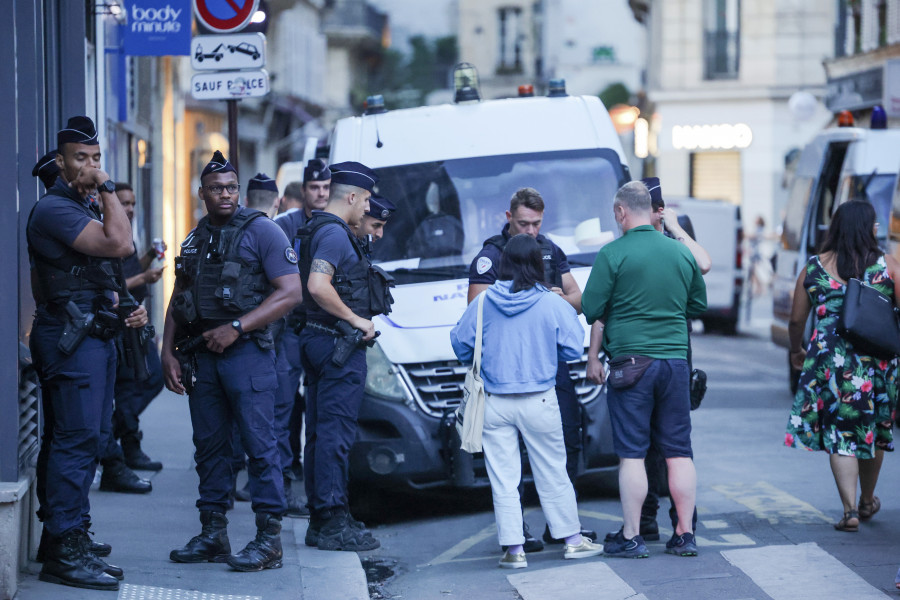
[
  {"x": 364, "y": 287},
  {"x": 219, "y": 285},
  {"x": 73, "y": 276},
  {"x": 552, "y": 275}
]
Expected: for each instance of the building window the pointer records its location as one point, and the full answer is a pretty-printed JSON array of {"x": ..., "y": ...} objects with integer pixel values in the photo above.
[
  {"x": 510, "y": 41},
  {"x": 722, "y": 38},
  {"x": 856, "y": 16},
  {"x": 881, "y": 7}
]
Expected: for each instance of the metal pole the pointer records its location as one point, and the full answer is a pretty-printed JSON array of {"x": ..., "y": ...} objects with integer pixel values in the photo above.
[{"x": 233, "y": 134}]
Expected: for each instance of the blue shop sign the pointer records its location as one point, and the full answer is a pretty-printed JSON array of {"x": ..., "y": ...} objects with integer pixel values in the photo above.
[{"x": 157, "y": 28}]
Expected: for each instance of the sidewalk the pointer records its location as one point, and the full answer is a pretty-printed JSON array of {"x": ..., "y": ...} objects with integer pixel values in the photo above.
[{"x": 142, "y": 529}]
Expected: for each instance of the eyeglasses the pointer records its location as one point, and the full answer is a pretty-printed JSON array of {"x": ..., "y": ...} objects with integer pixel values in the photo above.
[{"x": 216, "y": 190}]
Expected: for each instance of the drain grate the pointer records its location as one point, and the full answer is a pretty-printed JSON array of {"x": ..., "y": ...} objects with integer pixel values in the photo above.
[{"x": 148, "y": 592}]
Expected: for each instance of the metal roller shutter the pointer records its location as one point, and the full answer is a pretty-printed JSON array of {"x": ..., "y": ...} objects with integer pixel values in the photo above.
[{"x": 716, "y": 176}]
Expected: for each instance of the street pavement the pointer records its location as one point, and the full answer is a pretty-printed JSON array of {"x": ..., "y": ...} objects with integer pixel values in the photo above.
[
  {"x": 144, "y": 528},
  {"x": 766, "y": 514}
]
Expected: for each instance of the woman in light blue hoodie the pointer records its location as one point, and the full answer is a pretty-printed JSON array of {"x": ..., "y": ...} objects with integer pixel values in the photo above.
[{"x": 526, "y": 330}]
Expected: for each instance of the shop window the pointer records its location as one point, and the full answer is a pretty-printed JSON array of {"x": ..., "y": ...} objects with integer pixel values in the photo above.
[{"x": 721, "y": 39}]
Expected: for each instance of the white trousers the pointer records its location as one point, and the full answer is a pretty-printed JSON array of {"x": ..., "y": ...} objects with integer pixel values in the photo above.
[{"x": 536, "y": 417}]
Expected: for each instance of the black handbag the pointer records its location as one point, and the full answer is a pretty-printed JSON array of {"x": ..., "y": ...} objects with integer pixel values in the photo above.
[{"x": 869, "y": 321}]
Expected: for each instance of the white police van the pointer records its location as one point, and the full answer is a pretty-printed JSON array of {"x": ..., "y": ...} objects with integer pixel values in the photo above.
[
  {"x": 451, "y": 170},
  {"x": 841, "y": 164}
]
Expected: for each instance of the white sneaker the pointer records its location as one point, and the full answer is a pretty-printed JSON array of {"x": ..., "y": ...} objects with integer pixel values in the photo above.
[
  {"x": 514, "y": 561},
  {"x": 585, "y": 549}
]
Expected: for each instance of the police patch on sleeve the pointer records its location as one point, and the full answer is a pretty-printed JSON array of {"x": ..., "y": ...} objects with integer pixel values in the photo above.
[
  {"x": 483, "y": 265},
  {"x": 290, "y": 255}
]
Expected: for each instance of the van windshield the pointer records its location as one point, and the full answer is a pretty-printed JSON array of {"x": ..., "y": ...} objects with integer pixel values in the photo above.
[
  {"x": 446, "y": 209},
  {"x": 879, "y": 191}
]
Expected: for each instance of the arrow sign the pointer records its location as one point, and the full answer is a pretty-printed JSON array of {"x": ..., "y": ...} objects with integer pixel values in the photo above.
[
  {"x": 225, "y": 16},
  {"x": 230, "y": 85},
  {"x": 228, "y": 51}
]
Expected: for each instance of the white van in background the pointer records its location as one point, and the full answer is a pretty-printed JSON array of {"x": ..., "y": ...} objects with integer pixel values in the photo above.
[
  {"x": 839, "y": 165},
  {"x": 451, "y": 170},
  {"x": 718, "y": 228}
]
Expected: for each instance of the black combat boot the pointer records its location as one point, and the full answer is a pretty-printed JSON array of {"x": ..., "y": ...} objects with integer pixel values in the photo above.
[
  {"x": 109, "y": 569},
  {"x": 294, "y": 508},
  {"x": 263, "y": 552},
  {"x": 210, "y": 546},
  {"x": 67, "y": 563},
  {"x": 117, "y": 477},
  {"x": 135, "y": 457},
  {"x": 342, "y": 532},
  {"x": 95, "y": 548}
]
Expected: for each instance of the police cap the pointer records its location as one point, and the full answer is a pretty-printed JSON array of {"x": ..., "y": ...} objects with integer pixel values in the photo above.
[
  {"x": 355, "y": 174},
  {"x": 217, "y": 164},
  {"x": 656, "y": 199},
  {"x": 261, "y": 181},
  {"x": 47, "y": 169},
  {"x": 316, "y": 170},
  {"x": 79, "y": 130},
  {"x": 380, "y": 207}
]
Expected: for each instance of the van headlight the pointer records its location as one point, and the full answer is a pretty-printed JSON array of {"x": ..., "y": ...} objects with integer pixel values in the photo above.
[{"x": 383, "y": 379}]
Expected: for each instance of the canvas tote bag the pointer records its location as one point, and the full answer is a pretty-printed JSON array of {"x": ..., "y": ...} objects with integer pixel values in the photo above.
[{"x": 470, "y": 413}]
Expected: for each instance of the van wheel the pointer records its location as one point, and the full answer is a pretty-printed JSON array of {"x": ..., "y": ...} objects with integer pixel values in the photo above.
[{"x": 793, "y": 377}]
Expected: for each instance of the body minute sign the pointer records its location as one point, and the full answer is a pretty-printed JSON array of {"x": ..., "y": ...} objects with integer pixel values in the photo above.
[{"x": 157, "y": 28}]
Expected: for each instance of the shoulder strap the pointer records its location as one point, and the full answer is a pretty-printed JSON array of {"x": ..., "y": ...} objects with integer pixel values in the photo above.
[
  {"x": 479, "y": 326},
  {"x": 496, "y": 240}
]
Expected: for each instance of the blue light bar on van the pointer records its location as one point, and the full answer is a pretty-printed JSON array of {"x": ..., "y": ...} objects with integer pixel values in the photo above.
[
  {"x": 375, "y": 105},
  {"x": 879, "y": 118},
  {"x": 556, "y": 88}
]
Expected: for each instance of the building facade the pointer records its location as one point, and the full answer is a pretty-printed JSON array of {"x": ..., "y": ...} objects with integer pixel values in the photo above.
[
  {"x": 513, "y": 42},
  {"x": 722, "y": 81}
]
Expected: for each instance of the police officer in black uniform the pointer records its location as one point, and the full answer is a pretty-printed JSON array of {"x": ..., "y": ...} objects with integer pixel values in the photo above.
[
  {"x": 316, "y": 187},
  {"x": 73, "y": 257},
  {"x": 525, "y": 215},
  {"x": 236, "y": 275},
  {"x": 342, "y": 292}
]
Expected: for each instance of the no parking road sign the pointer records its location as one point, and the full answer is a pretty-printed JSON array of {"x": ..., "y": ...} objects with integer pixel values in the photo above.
[{"x": 225, "y": 16}]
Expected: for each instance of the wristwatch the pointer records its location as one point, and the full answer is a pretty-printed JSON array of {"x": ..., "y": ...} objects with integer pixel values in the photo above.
[
  {"x": 237, "y": 327},
  {"x": 108, "y": 186}
]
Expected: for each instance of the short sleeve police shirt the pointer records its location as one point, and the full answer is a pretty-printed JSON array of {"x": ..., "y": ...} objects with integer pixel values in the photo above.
[
  {"x": 290, "y": 222},
  {"x": 266, "y": 244},
  {"x": 332, "y": 244},
  {"x": 58, "y": 219}
]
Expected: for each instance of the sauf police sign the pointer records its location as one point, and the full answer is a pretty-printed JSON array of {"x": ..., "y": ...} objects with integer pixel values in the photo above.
[{"x": 230, "y": 85}]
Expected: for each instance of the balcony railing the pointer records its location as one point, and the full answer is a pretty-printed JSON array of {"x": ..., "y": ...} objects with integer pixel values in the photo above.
[
  {"x": 722, "y": 54},
  {"x": 355, "y": 19}
]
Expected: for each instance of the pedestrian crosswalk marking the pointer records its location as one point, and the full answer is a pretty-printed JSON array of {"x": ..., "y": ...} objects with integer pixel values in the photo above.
[
  {"x": 592, "y": 579},
  {"x": 714, "y": 524},
  {"x": 801, "y": 572},
  {"x": 771, "y": 504}
]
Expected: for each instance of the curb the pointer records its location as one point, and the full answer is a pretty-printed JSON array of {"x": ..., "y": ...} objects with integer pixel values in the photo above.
[{"x": 328, "y": 575}]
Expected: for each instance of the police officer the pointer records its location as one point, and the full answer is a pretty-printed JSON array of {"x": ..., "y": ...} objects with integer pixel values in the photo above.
[
  {"x": 342, "y": 291},
  {"x": 299, "y": 200},
  {"x": 133, "y": 396},
  {"x": 315, "y": 189},
  {"x": 236, "y": 275},
  {"x": 262, "y": 193},
  {"x": 72, "y": 254},
  {"x": 525, "y": 215},
  {"x": 371, "y": 227}
]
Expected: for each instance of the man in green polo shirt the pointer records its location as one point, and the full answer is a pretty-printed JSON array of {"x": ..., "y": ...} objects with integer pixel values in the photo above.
[{"x": 644, "y": 287}]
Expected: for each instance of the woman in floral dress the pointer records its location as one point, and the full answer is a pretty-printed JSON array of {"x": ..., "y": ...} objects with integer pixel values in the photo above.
[{"x": 845, "y": 400}]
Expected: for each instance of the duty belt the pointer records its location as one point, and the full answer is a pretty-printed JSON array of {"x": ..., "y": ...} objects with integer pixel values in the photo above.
[{"x": 323, "y": 328}]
